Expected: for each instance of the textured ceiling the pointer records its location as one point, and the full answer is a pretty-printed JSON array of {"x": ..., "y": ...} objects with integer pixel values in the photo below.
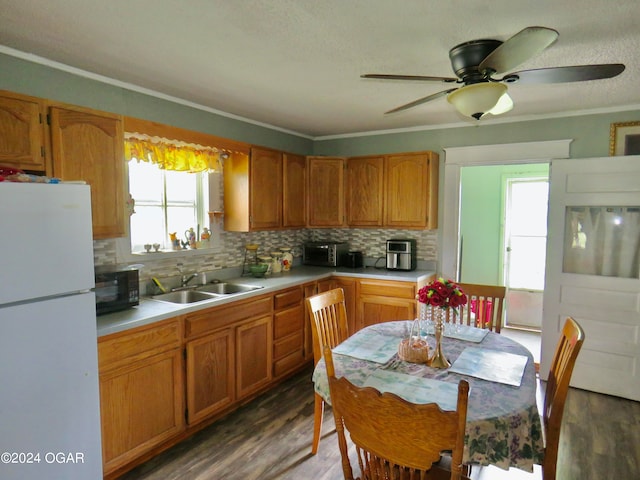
[{"x": 296, "y": 64}]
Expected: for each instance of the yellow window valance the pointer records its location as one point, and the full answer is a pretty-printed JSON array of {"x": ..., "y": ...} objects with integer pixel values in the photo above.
[{"x": 172, "y": 154}]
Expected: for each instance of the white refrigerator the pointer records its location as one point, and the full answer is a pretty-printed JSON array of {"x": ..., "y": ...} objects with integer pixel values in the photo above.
[{"x": 49, "y": 392}]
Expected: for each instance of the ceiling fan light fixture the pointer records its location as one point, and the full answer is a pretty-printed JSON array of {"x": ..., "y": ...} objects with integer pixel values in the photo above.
[
  {"x": 504, "y": 105},
  {"x": 477, "y": 99}
]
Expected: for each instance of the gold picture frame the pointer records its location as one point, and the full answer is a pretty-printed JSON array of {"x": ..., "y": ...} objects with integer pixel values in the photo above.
[{"x": 624, "y": 138}]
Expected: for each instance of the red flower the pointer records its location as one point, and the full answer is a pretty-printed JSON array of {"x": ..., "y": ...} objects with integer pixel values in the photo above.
[{"x": 442, "y": 293}]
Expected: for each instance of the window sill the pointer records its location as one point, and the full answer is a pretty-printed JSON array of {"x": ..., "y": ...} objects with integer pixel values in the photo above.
[{"x": 124, "y": 253}]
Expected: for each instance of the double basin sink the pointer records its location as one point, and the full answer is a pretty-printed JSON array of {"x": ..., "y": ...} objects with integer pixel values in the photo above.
[{"x": 202, "y": 293}]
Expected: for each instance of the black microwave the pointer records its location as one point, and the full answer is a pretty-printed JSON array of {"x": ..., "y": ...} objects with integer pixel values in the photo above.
[{"x": 116, "y": 289}]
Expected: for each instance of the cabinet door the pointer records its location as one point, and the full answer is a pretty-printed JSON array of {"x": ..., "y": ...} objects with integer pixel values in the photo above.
[
  {"x": 22, "y": 133},
  {"x": 372, "y": 310},
  {"x": 265, "y": 189},
  {"x": 294, "y": 177},
  {"x": 349, "y": 287},
  {"x": 210, "y": 374},
  {"x": 325, "y": 186},
  {"x": 383, "y": 301},
  {"x": 365, "y": 191},
  {"x": 141, "y": 406},
  {"x": 89, "y": 146},
  {"x": 412, "y": 182},
  {"x": 253, "y": 356}
]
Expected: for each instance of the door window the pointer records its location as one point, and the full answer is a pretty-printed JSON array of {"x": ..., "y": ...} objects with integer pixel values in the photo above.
[{"x": 602, "y": 241}]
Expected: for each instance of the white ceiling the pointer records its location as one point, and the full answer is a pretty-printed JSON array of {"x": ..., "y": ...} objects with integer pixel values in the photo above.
[{"x": 296, "y": 64}]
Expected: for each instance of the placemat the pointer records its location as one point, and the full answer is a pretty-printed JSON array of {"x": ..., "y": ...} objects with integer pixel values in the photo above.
[
  {"x": 468, "y": 333},
  {"x": 415, "y": 389},
  {"x": 492, "y": 365},
  {"x": 370, "y": 346}
]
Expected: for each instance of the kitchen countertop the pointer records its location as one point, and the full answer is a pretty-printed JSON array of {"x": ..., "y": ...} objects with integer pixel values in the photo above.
[{"x": 150, "y": 311}]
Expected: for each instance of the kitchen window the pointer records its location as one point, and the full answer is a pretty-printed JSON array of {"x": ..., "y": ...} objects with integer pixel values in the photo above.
[
  {"x": 166, "y": 202},
  {"x": 169, "y": 183}
]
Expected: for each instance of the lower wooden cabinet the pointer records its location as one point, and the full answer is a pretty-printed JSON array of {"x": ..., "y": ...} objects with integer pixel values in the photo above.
[
  {"x": 228, "y": 352},
  {"x": 253, "y": 356},
  {"x": 383, "y": 301},
  {"x": 288, "y": 331},
  {"x": 210, "y": 374},
  {"x": 349, "y": 287},
  {"x": 141, "y": 391}
]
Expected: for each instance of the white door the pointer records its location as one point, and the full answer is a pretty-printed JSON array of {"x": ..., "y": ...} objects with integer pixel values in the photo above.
[{"x": 592, "y": 273}]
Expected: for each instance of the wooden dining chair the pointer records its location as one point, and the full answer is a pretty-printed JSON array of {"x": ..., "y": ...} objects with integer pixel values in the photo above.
[
  {"x": 328, "y": 316},
  {"x": 564, "y": 359},
  {"x": 395, "y": 439},
  {"x": 485, "y": 305}
]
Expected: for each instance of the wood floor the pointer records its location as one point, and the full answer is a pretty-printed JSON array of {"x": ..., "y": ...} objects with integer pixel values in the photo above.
[{"x": 270, "y": 439}]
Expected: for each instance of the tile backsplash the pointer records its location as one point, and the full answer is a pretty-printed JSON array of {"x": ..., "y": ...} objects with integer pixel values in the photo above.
[{"x": 230, "y": 248}]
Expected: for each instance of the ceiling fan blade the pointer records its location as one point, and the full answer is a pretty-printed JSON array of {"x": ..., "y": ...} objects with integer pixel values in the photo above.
[
  {"x": 518, "y": 49},
  {"x": 578, "y": 73},
  {"x": 420, "y": 101},
  {"x": 420, "y": 78}
]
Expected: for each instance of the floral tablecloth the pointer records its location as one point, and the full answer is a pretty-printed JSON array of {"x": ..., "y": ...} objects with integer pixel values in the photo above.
[{"x": 503, "y": 423}]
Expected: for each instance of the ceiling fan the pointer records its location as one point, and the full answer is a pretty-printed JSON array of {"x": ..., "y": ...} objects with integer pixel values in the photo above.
[{"x": 476, "y": 62}]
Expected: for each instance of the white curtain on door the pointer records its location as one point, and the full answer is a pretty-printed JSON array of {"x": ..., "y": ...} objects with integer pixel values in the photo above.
[{"x": 602, "y": 241}]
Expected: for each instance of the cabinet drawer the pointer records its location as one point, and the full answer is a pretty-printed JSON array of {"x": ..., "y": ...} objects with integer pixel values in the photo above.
[
  {"x": 287, "y": 363},
  {"x": 388, "y": 288},
  {"x": 287, "y": 322},
  {"x": 287, "y": 346},
  {"x": 211, "y": 319},
  {"x": 131, "y": 345},
  {"x": 287, "y": 298}
]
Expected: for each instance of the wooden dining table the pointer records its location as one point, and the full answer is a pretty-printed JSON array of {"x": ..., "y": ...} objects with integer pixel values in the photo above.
[{"x": 503, "y": 422}]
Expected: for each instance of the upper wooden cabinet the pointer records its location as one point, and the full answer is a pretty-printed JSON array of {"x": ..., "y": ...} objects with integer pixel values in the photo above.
[
  {"x": 399, "y": 191},
  {"x": 294, "y": 190},
  {"x": 365, "y": 191},
  {"x": 22, "y": 132},
  {"x": 326, "y": 195},
  {"x": 85, "y": 145},
  {"x": 88, "y": 145},
  {"x": 265, "y": 191},
  {"x": 412, "y": 190}
]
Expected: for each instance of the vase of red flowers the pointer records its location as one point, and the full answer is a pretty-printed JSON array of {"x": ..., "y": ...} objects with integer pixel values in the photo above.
[{"x": 444, "y": 296}]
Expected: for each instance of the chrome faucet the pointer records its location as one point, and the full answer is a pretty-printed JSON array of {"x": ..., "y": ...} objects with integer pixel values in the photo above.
[{"x": 185, "y": 278}]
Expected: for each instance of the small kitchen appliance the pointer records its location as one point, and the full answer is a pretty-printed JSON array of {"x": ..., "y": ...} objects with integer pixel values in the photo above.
[
  {"x": 116, "y": 288},
  {"x": 353, "y": 259},
  {"x": 324, "y": 253},
  {"x": 401, "y": 254}
]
